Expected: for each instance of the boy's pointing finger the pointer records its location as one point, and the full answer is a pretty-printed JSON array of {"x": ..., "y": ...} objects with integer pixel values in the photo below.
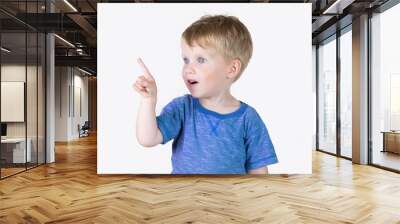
[{"x": 145, "y": 69}]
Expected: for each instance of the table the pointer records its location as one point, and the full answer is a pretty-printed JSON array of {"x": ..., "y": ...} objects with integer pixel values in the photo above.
[
  {"x": 391, "y": 141},
  {"x": 16, "y": 147}
]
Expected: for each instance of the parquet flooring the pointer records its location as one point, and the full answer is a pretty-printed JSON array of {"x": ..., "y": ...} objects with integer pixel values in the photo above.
[
  {"x": 70, "y": 191},
  {"x": 9, "y": 171}
]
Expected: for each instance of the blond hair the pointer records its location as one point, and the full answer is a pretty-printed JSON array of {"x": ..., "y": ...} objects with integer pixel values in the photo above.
[{"x": 226, "y": 34}]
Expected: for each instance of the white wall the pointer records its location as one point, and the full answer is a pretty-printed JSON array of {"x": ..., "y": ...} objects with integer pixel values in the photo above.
[
  {"x": 61, "y": 103},
  {"x": 277, "y": 81},
  {"x": 80, "y": 84},
  {"x": 68, "y": 83},
  {"x": 314, "y": 90}
]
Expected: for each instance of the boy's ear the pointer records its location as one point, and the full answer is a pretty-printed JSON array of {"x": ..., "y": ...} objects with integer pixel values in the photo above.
[{"x": 234, "y": 69}]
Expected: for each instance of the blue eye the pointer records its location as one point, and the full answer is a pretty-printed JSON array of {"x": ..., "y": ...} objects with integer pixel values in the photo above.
[
  {"x": 201, "y": 60},
  {"x": 186, "y": 61}
]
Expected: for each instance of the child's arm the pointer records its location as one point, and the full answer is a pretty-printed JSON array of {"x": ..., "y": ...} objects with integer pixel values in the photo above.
[
  {"x": 261, "y": 170},
  {"x": 147, "y": 132}
]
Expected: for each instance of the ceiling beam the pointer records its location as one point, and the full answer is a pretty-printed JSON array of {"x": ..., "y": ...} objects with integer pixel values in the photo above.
[
  {"x": 85, "y": 61},
  {"x": 85, "y": 25}
]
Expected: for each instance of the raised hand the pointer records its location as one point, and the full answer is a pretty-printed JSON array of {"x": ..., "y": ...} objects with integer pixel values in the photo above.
[{"x": 145, "y": 84}]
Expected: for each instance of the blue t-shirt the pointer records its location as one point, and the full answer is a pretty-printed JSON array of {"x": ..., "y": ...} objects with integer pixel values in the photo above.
[{"x": 207, "y": 142}]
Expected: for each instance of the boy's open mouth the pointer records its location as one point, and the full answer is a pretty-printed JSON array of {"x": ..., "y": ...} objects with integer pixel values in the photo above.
[{"x": 192, "y": 82}]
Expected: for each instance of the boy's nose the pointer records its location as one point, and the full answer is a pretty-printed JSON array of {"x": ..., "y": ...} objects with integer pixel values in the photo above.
[{"x": 188, "y": 69}]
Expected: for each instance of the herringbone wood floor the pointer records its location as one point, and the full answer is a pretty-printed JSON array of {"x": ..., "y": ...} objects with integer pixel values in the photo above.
[{"x": 70, "y": 191}]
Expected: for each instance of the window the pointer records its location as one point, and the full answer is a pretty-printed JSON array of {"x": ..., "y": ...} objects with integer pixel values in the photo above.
[
  {"x": 385, "y": 89},
  {"x": 327, "y": 96},
  {"x": 346, "y": 93}
]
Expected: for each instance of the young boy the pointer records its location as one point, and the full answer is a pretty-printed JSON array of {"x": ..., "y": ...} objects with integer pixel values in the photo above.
[{"x": 213, "y": 132}]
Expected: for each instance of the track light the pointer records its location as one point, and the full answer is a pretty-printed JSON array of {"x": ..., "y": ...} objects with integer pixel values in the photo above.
[
  {"x": 84, "y": 71},
  {"x": 70, "y": 5},
  {"x": 64, "y": 40},
  {"x": 5, "y": 50},
  {"x": 338, "y": 6}
]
